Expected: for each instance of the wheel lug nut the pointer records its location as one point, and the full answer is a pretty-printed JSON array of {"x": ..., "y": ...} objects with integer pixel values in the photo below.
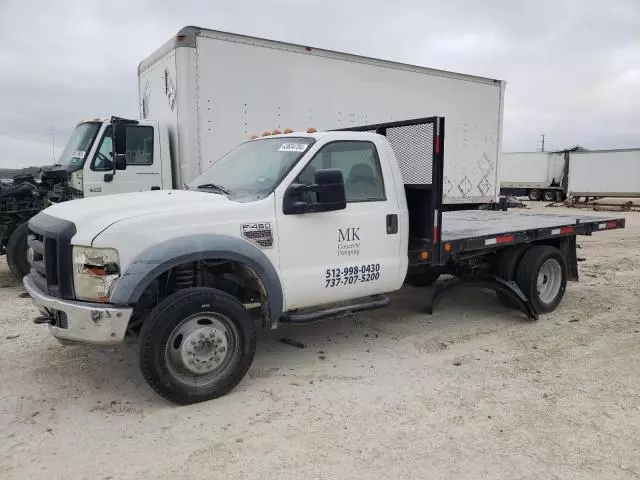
[{"x": 221, "y": 349}]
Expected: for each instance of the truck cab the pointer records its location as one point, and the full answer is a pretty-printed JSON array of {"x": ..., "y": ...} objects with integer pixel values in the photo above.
[{"x": 88, "y": 157}]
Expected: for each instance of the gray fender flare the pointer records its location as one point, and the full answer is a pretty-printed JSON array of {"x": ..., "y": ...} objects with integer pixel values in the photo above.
[{"x": 159, "y": 258}]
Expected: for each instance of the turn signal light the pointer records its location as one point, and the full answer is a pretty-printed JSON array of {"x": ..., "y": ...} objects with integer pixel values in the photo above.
[
  {"x": 253, "y": 137},
  {"x": 311, "y": 130},
  {"x": 447, "y": 247},
  {"x": 266, "y": 134},
  {"x": 276, "y": 132},
  {"x": 288, "y": 130},
  {"x": 423, "y": 255}
]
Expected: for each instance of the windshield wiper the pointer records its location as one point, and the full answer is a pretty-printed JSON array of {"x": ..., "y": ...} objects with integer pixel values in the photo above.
[{"x": 215, "y": 187}]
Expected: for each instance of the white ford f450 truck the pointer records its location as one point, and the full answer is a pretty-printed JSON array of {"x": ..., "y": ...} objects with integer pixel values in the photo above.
[{"x": 286, "y": 228}]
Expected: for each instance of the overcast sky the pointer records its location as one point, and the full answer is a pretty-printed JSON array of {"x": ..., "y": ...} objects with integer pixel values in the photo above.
[{"x": 572, "y": 66}]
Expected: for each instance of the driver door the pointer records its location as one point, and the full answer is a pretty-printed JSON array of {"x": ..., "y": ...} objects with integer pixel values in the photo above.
[
  {"x": 344, "y": 254},
  {"x": 143, "y": 170}
]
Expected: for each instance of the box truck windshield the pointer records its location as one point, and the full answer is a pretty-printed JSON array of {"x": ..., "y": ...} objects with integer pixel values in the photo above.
[
  {"x": 254, "y": 168},
  {"x": 79, "y": 144}
]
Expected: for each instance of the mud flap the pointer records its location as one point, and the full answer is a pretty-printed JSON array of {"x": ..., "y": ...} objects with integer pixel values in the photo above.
[{"x": 493, "y": 282}]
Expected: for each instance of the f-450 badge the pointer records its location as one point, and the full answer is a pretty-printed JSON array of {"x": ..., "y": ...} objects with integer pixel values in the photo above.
[{"x": 259, "y": 233}]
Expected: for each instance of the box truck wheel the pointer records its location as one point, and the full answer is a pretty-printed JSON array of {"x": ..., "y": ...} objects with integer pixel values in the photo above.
[
  {"x": 506, "y": 268},
  {"x": 17, "y": 252},
  {"x": 534, "y": 194},
  {"x": 542, "y": 277},
  {"x": 549, "y": 196},
  {"x": 197, "y": 344}
]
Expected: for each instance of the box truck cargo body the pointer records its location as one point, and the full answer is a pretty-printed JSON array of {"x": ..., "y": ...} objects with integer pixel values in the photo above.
[
  {"x": 213, "y": 90},
  {"x": 605, "y": 173}
]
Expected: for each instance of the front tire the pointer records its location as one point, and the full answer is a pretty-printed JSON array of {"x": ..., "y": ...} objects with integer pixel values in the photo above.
[
  {"x": 542, "y": 277},
  {"x": 17, "y": 252},
  {"x": 196, "y": 345}
]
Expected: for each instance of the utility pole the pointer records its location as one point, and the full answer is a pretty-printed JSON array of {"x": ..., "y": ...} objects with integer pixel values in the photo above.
[
  {"x": 53, "y": 146},
  {"x": 542, "y": 142}
]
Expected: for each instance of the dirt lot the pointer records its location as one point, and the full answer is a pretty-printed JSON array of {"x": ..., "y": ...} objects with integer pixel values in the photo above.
[{"x": 473, "y": 391}]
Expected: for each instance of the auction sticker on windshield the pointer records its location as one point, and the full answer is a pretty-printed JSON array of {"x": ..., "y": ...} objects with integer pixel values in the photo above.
[{"x": 293, "y": 147}]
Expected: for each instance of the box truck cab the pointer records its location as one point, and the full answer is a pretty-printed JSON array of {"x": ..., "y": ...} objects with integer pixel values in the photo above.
[{"x": 89, "y": 159}]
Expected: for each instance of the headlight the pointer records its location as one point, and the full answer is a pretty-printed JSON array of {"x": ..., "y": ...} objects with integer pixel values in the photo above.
[{"x": 95, "y": 272}]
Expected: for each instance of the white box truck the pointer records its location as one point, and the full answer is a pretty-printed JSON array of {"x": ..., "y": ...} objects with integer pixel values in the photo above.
[
  {"x": 605, "y": 173},
  {"x": 538, "y": 175},
  {"x": 205, "y": 91}
]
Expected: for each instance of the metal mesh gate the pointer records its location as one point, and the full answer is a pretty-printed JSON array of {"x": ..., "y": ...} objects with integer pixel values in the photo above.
[{"x": 413, "y": 147}]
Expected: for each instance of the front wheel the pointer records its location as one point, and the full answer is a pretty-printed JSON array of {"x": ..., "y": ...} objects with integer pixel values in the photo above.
[
  {"x": 196, "y": 345},
  {"x": 542, "y": 277}
]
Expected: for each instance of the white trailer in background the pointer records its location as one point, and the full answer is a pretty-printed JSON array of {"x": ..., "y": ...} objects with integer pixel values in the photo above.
[
  {"x": 554, "y": 176},
  {"x": 537, "y": 175},
  {"x": 605, "y": 173}
]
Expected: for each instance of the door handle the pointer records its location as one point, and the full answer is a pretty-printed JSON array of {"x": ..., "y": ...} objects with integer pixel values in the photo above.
[
  {"x": 392, "y": 223},
  {"x": 155, "y": 187}
]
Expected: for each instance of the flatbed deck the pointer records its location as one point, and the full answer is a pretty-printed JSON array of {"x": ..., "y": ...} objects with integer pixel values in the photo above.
[{"x": 468, "y": 224}]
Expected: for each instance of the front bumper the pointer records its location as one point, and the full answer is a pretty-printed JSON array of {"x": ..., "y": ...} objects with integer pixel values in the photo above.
[{"x": 85, "y": 322}]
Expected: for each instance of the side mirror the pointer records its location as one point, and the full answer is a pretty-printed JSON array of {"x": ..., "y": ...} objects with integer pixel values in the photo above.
[
  {"x": 328, "y": 191},
  {"x": 120, "y": 161},
  {"x": 119, "y": 138}
]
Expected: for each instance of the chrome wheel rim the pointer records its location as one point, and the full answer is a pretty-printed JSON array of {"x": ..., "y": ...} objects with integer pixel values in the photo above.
[
  {"x": 549, "y": 280},
  {"x": 202, "y": 348}
]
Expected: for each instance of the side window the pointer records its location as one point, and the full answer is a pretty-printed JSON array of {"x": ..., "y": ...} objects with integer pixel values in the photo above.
[
  {"x": 360, "y": 168},
  {"x": 139, "y": 145},
  {"x": 139, "y": 148},
  {"x": 103, "y": 160}
]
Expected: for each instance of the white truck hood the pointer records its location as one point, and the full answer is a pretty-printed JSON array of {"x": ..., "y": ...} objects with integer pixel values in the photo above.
[{"x": 92, "y": 215}]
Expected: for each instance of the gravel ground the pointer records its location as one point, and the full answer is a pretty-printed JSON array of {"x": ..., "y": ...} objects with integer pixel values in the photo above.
[{"x": 473, "y": 391}]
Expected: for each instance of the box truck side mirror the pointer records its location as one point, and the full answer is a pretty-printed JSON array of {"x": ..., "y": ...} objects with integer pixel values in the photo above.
[{"x": 119, "y": 138}]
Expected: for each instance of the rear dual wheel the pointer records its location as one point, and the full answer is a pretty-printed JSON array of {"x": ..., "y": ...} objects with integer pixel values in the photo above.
[{"x": 542, "y": 277}]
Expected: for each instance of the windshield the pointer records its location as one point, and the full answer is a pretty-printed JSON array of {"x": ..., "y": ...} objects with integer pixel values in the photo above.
[
  {"x": 78, "y": 145},
  {"x": 254, "y": 168}
]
